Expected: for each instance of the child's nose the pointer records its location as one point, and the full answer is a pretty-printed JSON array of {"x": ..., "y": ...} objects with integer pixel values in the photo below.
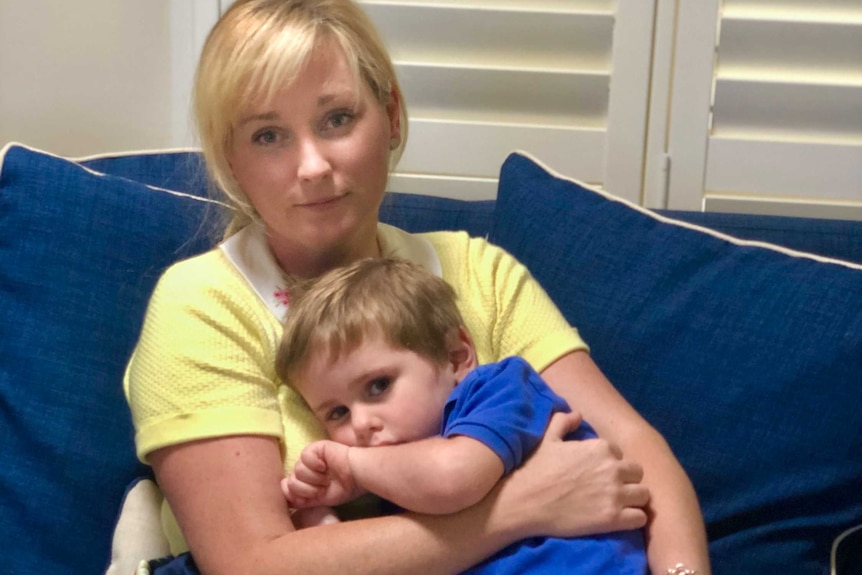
[{"x": 365, "y": 425}]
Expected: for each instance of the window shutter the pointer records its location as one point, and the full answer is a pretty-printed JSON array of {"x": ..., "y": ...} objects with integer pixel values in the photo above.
[
  {"x": 483, "y": 78},
  {"x": 784, "y": 126}
]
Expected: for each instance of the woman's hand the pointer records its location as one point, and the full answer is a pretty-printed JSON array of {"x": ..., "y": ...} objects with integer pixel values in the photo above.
[{"x": 574, "y": 488}]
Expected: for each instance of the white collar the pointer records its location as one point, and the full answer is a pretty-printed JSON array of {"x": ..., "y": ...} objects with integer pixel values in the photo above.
[{"x": 249, "y": 252}]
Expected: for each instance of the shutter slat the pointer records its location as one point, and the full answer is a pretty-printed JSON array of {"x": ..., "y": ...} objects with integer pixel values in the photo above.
[
  {"x": 478, "y": 150},
  {"x": 821, "y": 52},
  {"x": 514, "y": 97},
  {"x": 784, "y": 169},
  {"x": 496, "y": 38},
  {"x": 785, "y": 111},
  {"x": 790, "y": 10},
  {"x": 562, "y": 6},
  {"x": 787, "y": 107}
]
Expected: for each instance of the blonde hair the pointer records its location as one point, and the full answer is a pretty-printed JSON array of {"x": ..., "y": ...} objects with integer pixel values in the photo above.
[
  {"x": 257, "y": 47},
  {"x": 409, "y": 307}
]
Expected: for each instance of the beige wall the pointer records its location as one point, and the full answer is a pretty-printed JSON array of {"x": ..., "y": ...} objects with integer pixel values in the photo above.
[{"x": 80, "y": 77}]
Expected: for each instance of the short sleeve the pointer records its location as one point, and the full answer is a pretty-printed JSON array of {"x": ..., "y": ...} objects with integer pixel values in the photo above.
[
  {"x": 203, "y": 364},
  {"x": 505, "y": 406},
  {"x": 506, "y": 310}
]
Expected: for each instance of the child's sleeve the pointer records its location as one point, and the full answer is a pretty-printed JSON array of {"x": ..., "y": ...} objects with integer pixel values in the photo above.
[{"x": 506, "y": 406}]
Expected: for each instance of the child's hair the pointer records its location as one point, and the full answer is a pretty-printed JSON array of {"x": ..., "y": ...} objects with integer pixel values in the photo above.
[{"x": 409, "y": 307}]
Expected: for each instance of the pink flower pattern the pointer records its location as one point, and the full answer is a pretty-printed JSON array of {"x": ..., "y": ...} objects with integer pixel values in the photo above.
[{"x": 283, "y": 296}]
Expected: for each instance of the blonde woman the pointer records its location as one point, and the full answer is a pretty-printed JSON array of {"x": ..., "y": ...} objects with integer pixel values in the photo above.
[{"x": 301, "y": 118}]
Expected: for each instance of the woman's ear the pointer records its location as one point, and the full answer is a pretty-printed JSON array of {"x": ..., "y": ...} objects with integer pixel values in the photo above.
[
  {"x": 393, "y": 110},
  {"x": 462, "y": 353}
]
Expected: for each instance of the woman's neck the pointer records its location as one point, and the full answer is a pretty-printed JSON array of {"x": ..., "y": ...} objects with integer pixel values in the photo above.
[{"x": 305, "y": 262}]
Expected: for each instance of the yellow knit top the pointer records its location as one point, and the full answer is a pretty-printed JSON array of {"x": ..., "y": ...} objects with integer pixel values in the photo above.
[{"x": 204, "y": 365}]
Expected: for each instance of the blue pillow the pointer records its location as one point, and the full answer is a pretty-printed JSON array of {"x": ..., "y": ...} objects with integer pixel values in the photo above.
[
  {"x": 179, "y": 170},
  {"x": 747, "y": 359},
  {"x": 419, "y": 213},
  {"x": 79, "y": 255}
]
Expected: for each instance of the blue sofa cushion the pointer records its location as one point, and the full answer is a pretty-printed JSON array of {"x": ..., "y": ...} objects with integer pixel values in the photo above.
[
  {"x": 79, "y": 255},
  {"x": 179, "y": 170},
  {"x": 747, "y": 359},
  {"x": 840, "y": 239},
  {"x": 185, "y": 172},
  {"x": 418, "y": 213}
]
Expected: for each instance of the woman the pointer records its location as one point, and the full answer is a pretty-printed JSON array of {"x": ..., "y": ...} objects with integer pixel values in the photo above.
[{"x": 301, "y": 117}]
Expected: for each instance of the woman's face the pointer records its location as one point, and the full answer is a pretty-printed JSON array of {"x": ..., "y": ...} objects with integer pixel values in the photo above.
[{"x": 314, "y": 163}]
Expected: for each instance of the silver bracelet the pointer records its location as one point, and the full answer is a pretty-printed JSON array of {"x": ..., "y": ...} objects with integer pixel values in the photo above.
[{"x": 680, "y": 569}]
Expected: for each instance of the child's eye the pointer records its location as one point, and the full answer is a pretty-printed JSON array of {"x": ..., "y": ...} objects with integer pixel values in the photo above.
[
  {"x": 378, "y": 386},
  {"x": 337, "y": 413}
]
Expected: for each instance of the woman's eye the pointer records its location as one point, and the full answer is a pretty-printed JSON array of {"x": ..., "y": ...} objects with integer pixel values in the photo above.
[
  {"x": 338, "y": 120},
  {"x": 378, "y": 386},
  {"x": 337, "y": 413},
  {"x": 266, "y": 137}
]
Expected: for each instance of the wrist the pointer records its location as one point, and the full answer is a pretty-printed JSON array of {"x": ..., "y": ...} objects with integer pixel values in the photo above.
[
  {"x": 511, "y": 519},
  {"x": 352, "y": 465},
  {"x": 681, "y": 569}
]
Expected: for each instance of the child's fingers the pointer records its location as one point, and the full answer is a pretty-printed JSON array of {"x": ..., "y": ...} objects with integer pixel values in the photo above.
[
  {"x": 312, "y": 457},
  {"x": 310, "y": 476},
  {"x": 297, "y": 489}
]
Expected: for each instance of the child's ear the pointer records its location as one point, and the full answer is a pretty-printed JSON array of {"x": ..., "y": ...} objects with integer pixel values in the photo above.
[{"x": 462, "y": 353}]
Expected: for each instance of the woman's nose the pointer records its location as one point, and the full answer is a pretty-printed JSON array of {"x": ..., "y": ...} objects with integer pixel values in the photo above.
[{"x": 313, "y": 163}]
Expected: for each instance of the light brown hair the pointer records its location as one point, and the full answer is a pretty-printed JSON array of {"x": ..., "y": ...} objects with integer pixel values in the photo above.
[{"x": 398, "y": 300}]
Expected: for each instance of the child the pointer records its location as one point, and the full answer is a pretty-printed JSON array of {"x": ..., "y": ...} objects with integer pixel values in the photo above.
[{"x": 379, "y": 351}]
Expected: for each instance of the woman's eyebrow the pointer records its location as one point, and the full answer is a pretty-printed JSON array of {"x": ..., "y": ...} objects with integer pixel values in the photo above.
[
  {"x": 263, "y": 116},
  {"x": 273, "y": 115}
]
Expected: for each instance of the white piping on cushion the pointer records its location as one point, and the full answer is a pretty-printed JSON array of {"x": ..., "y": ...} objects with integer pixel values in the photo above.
[
  {"x": 833, "y": 555},
  {"x": 668, "y": 220},
  {"x": 151, "y": 152},
  {"x": 74, "y": 162}
]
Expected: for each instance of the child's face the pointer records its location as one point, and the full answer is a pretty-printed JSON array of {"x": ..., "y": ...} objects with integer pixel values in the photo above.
[{"x": 377, "y": 394}]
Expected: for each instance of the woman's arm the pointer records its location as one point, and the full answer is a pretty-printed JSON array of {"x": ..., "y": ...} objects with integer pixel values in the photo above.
[
  {"x": 225, "y": 494},
  {"x": 675, "y": 533}
]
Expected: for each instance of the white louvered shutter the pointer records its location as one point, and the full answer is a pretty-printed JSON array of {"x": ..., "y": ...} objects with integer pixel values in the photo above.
[
  {"x": 485, "y": 77},
  {"x": 779, "y": 130}
]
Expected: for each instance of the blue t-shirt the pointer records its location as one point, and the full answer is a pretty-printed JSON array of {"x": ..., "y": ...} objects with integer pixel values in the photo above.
[{"x": 507, "y": 406}]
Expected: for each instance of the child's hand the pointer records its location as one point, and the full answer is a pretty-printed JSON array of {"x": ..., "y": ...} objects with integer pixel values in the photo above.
[{"x": 322, "y": 476}]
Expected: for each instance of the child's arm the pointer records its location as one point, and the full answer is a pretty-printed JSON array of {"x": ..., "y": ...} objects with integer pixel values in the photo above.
[{"x": 436, "y": 475}]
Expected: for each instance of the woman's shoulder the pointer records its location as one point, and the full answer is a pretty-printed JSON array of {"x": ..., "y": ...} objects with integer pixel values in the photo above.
[
  {"x": 192, "y": 282},
  {"x": 210, "y": 269},
  {"x": 459, "y": 243},
  {"x": 468, "y": 254}
]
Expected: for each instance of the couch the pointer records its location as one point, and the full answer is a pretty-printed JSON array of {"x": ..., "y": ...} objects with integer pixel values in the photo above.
[{"x": 739, "y": 337}]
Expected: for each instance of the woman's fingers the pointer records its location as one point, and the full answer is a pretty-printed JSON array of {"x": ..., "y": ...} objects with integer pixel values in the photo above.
[
  {"x": 562, "y": 424},
  {"x": 634, "y": 495},
  {"x": 631, "y": 518},
  {"x": 630, "y": 472},
  {"x": 579, "y": 487}
]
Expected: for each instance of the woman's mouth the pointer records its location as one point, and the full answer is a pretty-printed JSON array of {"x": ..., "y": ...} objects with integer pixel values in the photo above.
[{"x": 322, "y": 202}]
